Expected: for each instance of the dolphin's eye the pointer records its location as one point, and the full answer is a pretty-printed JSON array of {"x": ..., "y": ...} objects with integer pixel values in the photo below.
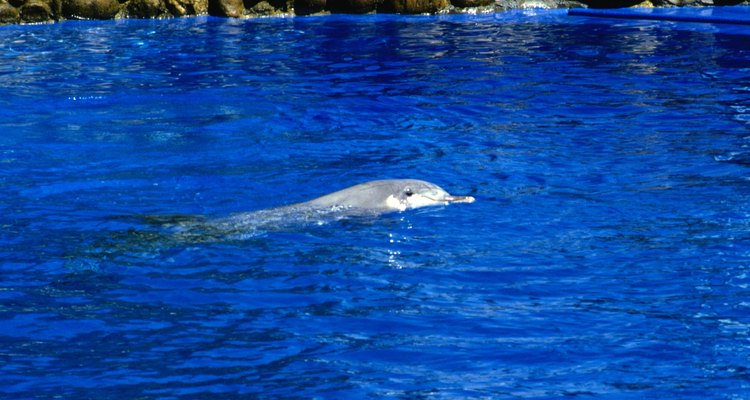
[{"x": 408, "y": 192}]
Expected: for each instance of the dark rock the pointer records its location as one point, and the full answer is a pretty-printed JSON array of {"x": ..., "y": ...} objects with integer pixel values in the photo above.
[
  {"x": 270, "y": 6},
  {"x": 307, "y": 7},
  {"x": 611, "y": 3},
  {"x": 15, "y": 11},
  {"x": 414, "y": 6},
  {"x": 147, "y": 9},
  {"x": 267, "y": 7},
  {"x": 56, "y": 7},
  {"x": 472, "y": 3},
  {"x": 353, "y": 6},
  {"x": 8, "y": 13},
  {"x": 36, "y": 11},
  {"x": 90, "y": 9},
  {"x": 226, "y": 8},
  {"x": 179, "y": 8},
  {"x": 262, "y": 8}
]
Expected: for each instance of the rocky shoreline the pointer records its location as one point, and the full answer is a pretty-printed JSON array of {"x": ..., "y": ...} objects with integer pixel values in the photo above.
[{"x": 41, "y": 11}]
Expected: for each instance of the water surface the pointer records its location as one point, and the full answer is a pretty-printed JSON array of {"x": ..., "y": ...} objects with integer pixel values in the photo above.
[{"x": 606, "y": 256}]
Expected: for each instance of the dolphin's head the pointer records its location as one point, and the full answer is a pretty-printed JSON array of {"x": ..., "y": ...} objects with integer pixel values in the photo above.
[
  {"x": 377, "y": 197},
  {"x": 408, "y": 194}
]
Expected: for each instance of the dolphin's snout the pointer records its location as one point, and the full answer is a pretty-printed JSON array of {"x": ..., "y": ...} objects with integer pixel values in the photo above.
[{"x": 459, "y": 199}]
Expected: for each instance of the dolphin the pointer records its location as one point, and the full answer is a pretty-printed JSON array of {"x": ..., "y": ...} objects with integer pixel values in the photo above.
[
  {"x": 366, "y": 200},
  {"x": 369, "y": 199}
]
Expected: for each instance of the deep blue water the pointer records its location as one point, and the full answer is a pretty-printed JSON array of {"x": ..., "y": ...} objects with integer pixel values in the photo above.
[{"x": 607, "y": 254}]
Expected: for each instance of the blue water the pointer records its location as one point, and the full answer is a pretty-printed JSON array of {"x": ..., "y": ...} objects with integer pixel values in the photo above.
[
  {"x": 607, "y": 254},
  {"x": 711, "y": 15}
]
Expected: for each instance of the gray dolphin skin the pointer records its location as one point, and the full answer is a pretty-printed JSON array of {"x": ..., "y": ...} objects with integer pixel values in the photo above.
[
  {"x": 366, "y": 199},
  {"x": 379, "y": 197}
]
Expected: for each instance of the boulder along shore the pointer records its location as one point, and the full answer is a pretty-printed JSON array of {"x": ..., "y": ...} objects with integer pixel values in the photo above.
[{"x": 41, "y": 11}]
